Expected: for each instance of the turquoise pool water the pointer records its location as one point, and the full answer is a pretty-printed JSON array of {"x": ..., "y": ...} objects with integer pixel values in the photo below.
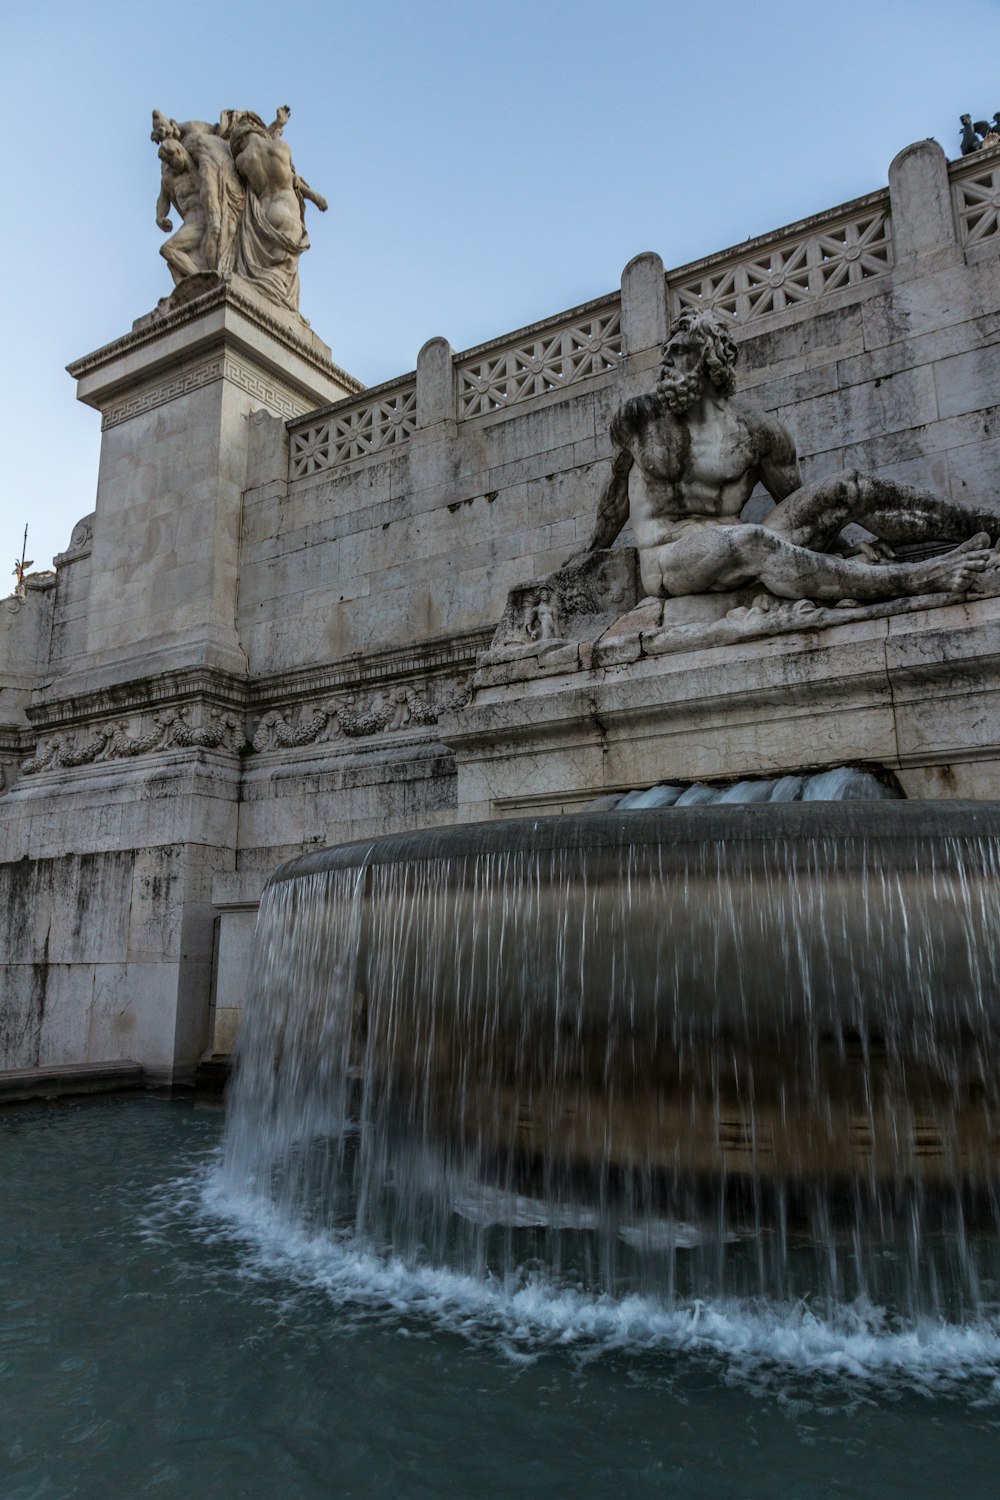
[{"x": 154, "y": 1340}]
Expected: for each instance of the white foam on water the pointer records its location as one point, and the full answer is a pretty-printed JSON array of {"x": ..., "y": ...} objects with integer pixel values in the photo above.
[{"x": 527, "y": 1315}]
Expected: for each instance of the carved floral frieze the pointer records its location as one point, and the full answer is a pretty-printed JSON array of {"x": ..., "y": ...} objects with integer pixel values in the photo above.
[
  {"x": 112, "y": 740},
  {"x": 359, "y": 715},
  {"x": 353, "y": 715}
]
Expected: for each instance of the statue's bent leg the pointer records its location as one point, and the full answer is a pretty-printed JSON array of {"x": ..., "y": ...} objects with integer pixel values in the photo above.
[
  {"x": 794, "y": 572},
  {"x": 703, "y": 558},
  {"x": 179, "y": 252},
  {"x": 814, "y": 514}
]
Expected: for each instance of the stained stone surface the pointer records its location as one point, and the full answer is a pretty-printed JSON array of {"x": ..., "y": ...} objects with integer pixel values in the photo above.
[{"x": 304, "y": 613}]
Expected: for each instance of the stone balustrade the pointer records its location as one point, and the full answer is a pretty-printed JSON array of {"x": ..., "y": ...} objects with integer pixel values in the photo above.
[
  {"x": 975, "y": 187},
  {"x": 779, "y": 271},
  {"x": 929, "y": 206},
  {"x": 354, "y": 428},
  {"x": 504, "y": 373}
]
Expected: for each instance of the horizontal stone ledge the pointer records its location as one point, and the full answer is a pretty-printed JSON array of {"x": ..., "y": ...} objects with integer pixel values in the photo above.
[
  {"x": 223, "y": 311},
  {"x": 74, "y": 698},
  {"x": 65, "y": 1081},
  {"x": 381, "y": 668}
]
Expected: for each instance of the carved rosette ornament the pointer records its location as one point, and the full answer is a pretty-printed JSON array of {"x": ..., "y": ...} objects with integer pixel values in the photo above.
[{"x": 240, "y": 201}]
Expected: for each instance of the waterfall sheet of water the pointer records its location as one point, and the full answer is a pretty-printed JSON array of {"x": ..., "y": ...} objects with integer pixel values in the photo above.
[
  {"x": 712, "y": 1052},
  {"x": 839, "y": 784}
]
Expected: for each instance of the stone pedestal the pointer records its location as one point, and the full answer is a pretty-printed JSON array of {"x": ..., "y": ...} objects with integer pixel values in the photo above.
[
  {"x": 134, "y": 693},
  {"x": 175, "y": 396}
]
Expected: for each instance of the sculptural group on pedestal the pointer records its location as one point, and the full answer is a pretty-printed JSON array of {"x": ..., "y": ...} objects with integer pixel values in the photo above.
[{"x": 240, "y": 199}]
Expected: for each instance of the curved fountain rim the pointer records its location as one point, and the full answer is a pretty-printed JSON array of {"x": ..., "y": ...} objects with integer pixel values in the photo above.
[{"x": 755, "y": 822}]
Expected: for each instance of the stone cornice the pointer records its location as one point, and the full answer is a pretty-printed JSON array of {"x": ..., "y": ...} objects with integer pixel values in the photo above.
[
  {"x": 223, "y": 295},
  {"x": 449, "y": 653},
  {"x": 15, "y": 741},
  {"x": 51, "y": 708}
]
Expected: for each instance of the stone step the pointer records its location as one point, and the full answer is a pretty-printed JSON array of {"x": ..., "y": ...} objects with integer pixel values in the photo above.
[{"x": 77, "y": 1078}]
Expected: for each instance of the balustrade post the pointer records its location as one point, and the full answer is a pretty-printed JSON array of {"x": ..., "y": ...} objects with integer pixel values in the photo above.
[
  {"x": 644, "y": 304},
  {"x": 923, "y": 224},
  {"x": 436, "y": 383}
]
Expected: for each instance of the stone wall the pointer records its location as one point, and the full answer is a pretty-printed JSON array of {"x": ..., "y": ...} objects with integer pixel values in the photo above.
[{"x": 265, "y": 637}]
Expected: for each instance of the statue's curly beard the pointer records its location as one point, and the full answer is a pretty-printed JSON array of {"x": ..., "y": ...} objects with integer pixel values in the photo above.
[{"x": 678, "y": 391}]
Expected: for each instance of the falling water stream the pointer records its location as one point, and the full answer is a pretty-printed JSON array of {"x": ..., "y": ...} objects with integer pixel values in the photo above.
[{"x": 731, "y": 1055}]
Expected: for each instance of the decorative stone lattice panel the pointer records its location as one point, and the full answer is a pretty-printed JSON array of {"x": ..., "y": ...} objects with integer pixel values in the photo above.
[
  {"x": 367, "y": 427},
  {"x": 790, "y": 271},
  {"x": 552, "y": 359},
  {"x": 977, "y": 202}
]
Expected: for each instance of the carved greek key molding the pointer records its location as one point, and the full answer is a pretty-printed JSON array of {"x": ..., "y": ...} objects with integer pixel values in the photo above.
[
  {"x": 553, "y": 358},
  {"x": 366, "y": 427},
  {"x": 783, "y": 272},
  {"x": 159, "y": 395},
  {"x": 357, "y": 716},
  {"x": 278, "y": 397},
  {"x": 976, "y": 196},
  {"x": 111, "y": 740}
]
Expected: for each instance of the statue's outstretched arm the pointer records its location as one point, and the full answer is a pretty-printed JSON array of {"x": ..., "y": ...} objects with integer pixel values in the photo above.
[
  {"x": 612, "y": 508},
  {"x": 163, "y": 206},
  {"x": 305, "y": 191},
  {"x": 281, "y": 117}
]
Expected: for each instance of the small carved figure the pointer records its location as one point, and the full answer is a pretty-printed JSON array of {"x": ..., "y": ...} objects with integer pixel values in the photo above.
[
  {"x": 970, "y": 140},
  {"x": 686, "y": 458},
  {"x": 542, "y": 623},
  {"x": 20, "y": 571}
]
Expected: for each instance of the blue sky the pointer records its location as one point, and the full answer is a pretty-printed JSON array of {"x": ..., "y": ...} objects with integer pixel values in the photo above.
[{"x": 486, "y": 164}]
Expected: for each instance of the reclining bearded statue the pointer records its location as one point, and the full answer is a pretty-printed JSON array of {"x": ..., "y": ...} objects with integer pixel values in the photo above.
[{"x": 686, "y": 459}]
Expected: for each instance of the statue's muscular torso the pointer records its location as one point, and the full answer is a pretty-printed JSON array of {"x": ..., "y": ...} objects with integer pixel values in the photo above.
[
  {"x": 266, "y": 164},
  {"x": 700, "y": 465}
]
